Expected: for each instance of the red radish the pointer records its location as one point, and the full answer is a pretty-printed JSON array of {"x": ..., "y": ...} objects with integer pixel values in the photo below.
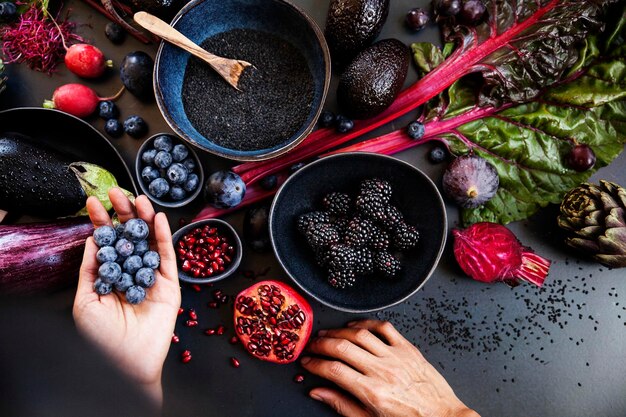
[
  {"x": 489, "y": 252},
  {"x": 76, "y": 99},
  {"x": 86, "y": 60}
]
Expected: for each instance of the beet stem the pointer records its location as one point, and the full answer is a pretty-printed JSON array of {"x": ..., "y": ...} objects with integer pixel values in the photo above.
[{"x": 534, "y": 268}]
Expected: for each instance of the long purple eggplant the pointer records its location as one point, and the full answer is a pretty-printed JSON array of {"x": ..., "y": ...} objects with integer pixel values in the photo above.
[{"x": 41, "y": 257}]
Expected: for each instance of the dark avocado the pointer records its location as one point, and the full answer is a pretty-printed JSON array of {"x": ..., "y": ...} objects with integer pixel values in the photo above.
[
  {"x": 373, "y": 79},
  {"x": 351, "y": 25},
  {"x": 37, "y": 180}
]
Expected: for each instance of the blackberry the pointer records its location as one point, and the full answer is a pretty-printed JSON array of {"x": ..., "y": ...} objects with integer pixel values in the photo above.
[
  {"x": 313, "y": 217},
  {"x": 360, "y": 232},
  {"x": 341, "y": 258},
  {"x": 336, "y": 203},
  {"x": 321, "y": 235},
  {"x": 341, "y": 279},
  {"x": 387, "y": 264},
  {"x": 377, "y": 186},
  {"x": 391, "y": 217},
  {"x": 364, "y": 262},
  {"x": 380, "y": 241},
  {"x": 341, "y": 224},
  {"x": 405, "y": 236},
  {"x": 321, "y": 257},
  {"x": 370, "y": 205}
]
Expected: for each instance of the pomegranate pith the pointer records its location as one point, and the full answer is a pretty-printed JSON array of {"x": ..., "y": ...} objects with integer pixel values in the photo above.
[{"x": 272, "y": 321}]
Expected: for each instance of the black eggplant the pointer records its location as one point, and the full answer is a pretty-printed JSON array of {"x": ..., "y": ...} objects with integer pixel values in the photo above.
[{"x": 43, "y": 182}]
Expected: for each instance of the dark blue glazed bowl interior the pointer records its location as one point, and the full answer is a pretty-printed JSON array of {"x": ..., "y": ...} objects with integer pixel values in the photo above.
[
  {"x": 201, "y": 19},
  {"x": 413, "y": 193}
]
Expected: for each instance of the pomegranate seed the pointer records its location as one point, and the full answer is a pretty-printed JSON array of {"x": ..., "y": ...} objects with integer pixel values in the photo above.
[
  {"x": 213, "y": 304},
  {"x": 181, "y": 311},
  {"x": 196, "y": 287},
  {"x": 192, "y": 314},
  {"x": 217, "y": 294},
  {"x": 209, "y": 332},
  {"x": 220, "y": 329},
  {"x": 234, "y": 340},
  {"x": 191, "y": 323},
  {"x": 298, "y": 378},
  {"x": 186, "y": 265},
  {"x": 234, "y": 362},
  {"x": 175, "y": 338},
  {"x": 227, "y": 259},
  {"x": 186, "y": 356},
  {"x": 214, "y": 265}
]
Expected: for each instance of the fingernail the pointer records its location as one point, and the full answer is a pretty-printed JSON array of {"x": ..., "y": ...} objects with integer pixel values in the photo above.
[
  {"x": 305, "y": 360},
  {"x": 322, "y": 333},
  {"x": 316, "y": 397},
  {"x": 352, "y": 323}
]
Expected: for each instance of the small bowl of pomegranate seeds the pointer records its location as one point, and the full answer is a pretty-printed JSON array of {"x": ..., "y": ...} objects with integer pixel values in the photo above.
[{"x": 206, "y": 251}]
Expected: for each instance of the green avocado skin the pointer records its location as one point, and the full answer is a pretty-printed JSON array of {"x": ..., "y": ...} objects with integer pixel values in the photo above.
[
  {"x": 373, "y": 79},
  {"x": 37, "y": 181},
  {"x": 351, "y": 25}
]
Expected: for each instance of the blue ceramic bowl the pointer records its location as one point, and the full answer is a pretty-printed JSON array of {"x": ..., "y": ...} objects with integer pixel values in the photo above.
[
  {"x": 201, "y": 19},
  {"x": 413, "y": 193}
]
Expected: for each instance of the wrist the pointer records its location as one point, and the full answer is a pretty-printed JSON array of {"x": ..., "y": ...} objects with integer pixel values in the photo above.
[
  {"x": 154, "y": 392},
  {"x": 464, "y": 412}
]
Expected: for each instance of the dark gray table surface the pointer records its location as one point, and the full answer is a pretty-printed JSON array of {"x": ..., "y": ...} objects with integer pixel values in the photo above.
[{"x": 558, "y": 351}]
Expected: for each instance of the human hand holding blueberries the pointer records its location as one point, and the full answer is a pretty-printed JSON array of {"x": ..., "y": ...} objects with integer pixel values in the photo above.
[
  {"x": 135, "y": 336},
  {"x": 386, "y": 375}
]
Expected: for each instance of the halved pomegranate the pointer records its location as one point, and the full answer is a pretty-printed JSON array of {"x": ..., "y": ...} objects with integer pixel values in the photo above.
[{"x": 273, "y": 321}]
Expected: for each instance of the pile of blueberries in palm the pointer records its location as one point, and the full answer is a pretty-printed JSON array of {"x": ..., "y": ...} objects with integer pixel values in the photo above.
[
  {"x": 126, "y": 262},
  {"x": 357, "y": 237},
  {"x": 170, "y": 170}
]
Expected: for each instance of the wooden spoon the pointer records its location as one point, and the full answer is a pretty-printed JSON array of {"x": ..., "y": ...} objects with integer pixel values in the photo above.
[{"x": 229, "y": 69}]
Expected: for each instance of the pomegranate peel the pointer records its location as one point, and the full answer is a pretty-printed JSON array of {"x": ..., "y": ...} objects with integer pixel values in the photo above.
[
  {"x": 489, "y": 252},
  {"x": 273, "y": 321}
]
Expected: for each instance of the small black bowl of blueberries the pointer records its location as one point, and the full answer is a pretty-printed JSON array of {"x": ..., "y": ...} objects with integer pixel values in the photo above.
[{"x": 169, "y": 170}]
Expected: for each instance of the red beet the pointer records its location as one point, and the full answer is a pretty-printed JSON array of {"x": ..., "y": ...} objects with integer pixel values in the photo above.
[
  {"x": 76, "y": 99},
  {"x": 489, "y": 252},
  {"x": 86, "y": 60},
  {"x": 273, "y": 321}
]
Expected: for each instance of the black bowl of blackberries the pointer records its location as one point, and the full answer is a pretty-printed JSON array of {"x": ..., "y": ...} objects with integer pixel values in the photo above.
[
  {"x": 169, "y": 170},
  {"x": 359, "y": 232}
]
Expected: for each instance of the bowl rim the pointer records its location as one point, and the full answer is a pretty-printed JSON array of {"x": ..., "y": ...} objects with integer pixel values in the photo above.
[
  {"x": 263, "y": 156},
  {"x": 144, "y": 188},
  {"x": 312, "y": 165},
  {"x": 227, "y": 272}
]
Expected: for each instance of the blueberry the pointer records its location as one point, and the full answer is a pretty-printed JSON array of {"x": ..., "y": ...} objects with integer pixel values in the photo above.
[
  {"x": 344, "y": 124},
  {"x": 102, "y": 288},
  {"x": 177, "y": 193},
  {"x": 119, "y": 230},
  {"x": 132, "y": 264},
  {"x": 145, "y": 277},
  {"x": 8, "y": 11},
  {"x": 108, "y": 110},
  {"x": 104, "y": 236},
  {"x": 141, "y": 247},
  {"x": 159, "y": 187},
  {"x": 149, "y": 174},
  {"x": 163, "y": 159},
  {"x": 113, "y": 128},
  {"x": 437, "y": 155},
  {"x": 269, "y": 183},
  {"x": 224, "y": 189},
  {"x": 415, "y": 130},
  {"x": 115, "y": 33},
  {"x": 327, "y": 119},
  {"x": 135, "y": 294},
  {"x": 177, "y": 173},
  {"x": 109, "y": 272},
  {"x": 135, "y": 126},
  {"x": 192, "y": 183},
  {"x": 190, "y": 164},
  {"x": 124, "y": 247},
  {"x": 180, "y": 152},
  {"x": 136, "y": 230},
  {"x": 124, "y": 282},
  {"x": 136, "y": 74},
  {"x": 148, "y": 156},
  {"x": 106, "y": 254},
  {"x": 151, "y": 259},
  {"x": 163, "y": 143}
]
